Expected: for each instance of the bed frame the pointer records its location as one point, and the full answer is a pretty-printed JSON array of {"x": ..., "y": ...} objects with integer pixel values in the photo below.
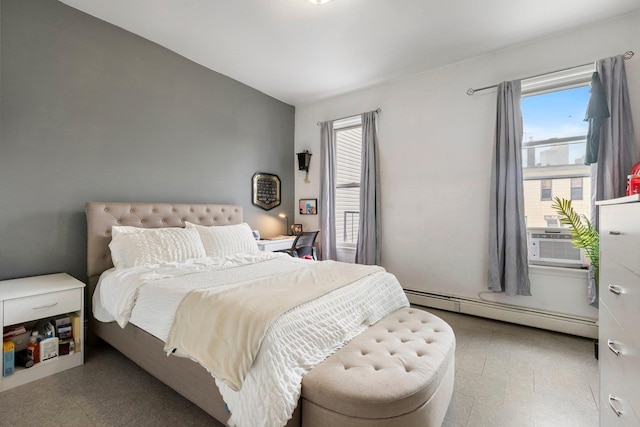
[
  {"x": 181, "y": 374},
  {"x": 421, "y": 376}
]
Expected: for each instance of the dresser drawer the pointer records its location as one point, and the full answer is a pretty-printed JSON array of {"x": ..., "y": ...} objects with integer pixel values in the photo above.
[
  {"x": 619, "y": 356},
  {"x": 620, "y": 235},
  {"x": 609, "y": 418},
  {"x": 615, "y": 407},
  {"x": 36, "y": 307},
  {"x": 620, "y": 292}
]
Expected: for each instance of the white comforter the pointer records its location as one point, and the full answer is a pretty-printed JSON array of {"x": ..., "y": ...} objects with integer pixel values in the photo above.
[{"x": 294, "y": 344}]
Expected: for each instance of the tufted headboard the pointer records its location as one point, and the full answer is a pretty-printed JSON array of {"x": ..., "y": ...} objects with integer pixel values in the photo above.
[{"x": 101, "y": 216}]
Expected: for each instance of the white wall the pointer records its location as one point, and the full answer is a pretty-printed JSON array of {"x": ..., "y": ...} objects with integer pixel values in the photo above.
[{"x": 436, "y": 145}]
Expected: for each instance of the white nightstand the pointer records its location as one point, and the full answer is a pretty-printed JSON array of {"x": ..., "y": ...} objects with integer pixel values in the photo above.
[
  {"x": 278, "y": 244},
  {"x": 41, "y": 297}
]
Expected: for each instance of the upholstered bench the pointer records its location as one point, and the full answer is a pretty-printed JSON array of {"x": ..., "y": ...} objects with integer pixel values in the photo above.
[{"x": 398, "y": 373}]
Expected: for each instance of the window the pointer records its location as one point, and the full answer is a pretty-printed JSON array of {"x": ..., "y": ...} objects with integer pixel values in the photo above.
[
  {"x": 348, "y": 137},
  {"x": 552, "y": 220},
  {"x": 576, "y": 188},
  {"x": 545, "y": 189},
  {"x": 554, "y": 145}
]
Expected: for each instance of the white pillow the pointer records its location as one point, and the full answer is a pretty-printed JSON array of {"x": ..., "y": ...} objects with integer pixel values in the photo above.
[
  {"x": 134, "y": 246},
  {"x": 224, "y": 240},
  {"x": 126, "y": 229}
]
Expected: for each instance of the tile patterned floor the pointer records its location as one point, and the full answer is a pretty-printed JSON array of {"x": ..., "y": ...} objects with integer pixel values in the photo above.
[
  {"x": 506, "y": 375},
  {"x": 510, "y": 375},
  {"x": 108, "y": 390}
]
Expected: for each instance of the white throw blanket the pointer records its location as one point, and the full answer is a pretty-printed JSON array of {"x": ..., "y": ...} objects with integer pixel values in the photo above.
[
  {"x": 296, "y": 341},
  {"x": 222, "y": 329}
]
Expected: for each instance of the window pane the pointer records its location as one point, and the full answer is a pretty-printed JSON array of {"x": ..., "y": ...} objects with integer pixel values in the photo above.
[
  {"x": 576, "y": 193},
  {"x": 347, "y": 215},
  {"x": 348, "y": 147},
  {"x": 557, "y": 114},
  {"x": 553, "y": 150},
  {"x": 348, "y": 165},
  {"x": 576, "y": 188},
  {"x": 545, "y": 189}
]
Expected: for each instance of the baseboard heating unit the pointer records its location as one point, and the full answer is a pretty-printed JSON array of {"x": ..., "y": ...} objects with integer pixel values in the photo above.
[{"x": 508, "y": 313}]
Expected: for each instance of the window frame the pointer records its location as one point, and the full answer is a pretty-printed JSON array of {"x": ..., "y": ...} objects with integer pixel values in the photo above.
[
  {"x": 543, "y": 189},
  {"x": 539, "y": 85},
  {"x": 581, "y": 187}
]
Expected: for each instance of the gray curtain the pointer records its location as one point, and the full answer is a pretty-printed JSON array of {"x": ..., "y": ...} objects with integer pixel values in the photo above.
[
  {"x": 369, "y": 233},
  {"x": 597, "y": 112},
  {"x": 508, "y": 265},
  {"x": 327, "y": 192},
  {"x": 618, "y": 148}
]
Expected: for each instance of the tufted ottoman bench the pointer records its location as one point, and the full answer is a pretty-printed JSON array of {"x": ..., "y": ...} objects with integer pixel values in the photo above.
[{"x": 399, "y": 372}]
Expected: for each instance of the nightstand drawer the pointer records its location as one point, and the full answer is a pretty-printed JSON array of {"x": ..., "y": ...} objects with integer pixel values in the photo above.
[{"x": 41, "y": 306}]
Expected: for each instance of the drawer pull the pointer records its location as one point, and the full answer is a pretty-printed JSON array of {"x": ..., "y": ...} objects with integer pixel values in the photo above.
[
  {"x": 614, "y": 289},
  {"x": 40, "y": 307},
  {"x": 612, "y": 347},
  {"x": 614, "y": 233},
  {"x": 612, "y": 399}
]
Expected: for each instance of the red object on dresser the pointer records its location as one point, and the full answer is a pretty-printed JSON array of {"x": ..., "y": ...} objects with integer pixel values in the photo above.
[{"x": 633, "y": 184}]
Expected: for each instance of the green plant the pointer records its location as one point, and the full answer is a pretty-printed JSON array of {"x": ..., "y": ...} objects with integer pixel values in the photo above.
[{"x": 584, "y": 234}]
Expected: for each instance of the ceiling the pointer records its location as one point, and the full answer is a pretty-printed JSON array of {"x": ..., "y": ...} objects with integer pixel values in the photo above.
[{"x": 299, "y": 52}]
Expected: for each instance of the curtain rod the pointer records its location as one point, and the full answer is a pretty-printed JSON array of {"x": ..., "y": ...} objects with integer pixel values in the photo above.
[
  {"x": 627, "y": 55},
  {"x": 377, "y": 110}
]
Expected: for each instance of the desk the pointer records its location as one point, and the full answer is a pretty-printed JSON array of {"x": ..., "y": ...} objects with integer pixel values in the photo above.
[{"x": 276, "y": 244}]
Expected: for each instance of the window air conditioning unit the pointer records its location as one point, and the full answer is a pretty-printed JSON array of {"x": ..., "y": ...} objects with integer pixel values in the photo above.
[{"x": 553, "y": 247}]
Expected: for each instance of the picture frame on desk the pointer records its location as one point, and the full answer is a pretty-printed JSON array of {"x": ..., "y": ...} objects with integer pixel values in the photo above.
[
  {"x": 296, "y": 229},
  {"x": 308, "y": 206}
]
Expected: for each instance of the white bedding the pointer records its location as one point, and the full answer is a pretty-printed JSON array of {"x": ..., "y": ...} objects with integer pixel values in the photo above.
[{"x": 304, "y": 336}]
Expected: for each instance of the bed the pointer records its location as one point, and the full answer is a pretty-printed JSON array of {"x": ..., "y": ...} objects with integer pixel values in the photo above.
[{"x": 150, "y": 349}]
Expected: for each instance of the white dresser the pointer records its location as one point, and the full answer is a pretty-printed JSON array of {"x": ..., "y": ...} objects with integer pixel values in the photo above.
[{"x": 619, "y": 335}]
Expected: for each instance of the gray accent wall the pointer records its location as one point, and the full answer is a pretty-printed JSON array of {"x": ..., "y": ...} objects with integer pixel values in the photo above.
[{"x": 91, "y": 112}]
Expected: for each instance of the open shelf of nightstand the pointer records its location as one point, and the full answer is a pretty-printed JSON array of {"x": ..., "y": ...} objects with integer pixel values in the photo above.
[{"x": 36, "y": 298}]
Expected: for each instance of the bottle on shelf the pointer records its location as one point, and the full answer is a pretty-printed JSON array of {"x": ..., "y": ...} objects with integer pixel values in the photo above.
[
  {"x": 8, "y": 359},
  {"x": 33, "y": 348}
]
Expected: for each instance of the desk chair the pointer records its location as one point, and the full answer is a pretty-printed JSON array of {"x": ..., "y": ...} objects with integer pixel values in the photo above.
[{"x": 303, "y": 245}]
